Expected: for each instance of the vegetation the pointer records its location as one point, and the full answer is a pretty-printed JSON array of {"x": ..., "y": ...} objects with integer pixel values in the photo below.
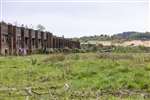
[
  {"x": 95, "y": 38},
  {"x": 116, "y": 49},
  {"x": 117, "y": 37},
  {"x": 40, "y": 27},
  {"x": 86, "y": 76},
  {"x": 132, "y": 36}
]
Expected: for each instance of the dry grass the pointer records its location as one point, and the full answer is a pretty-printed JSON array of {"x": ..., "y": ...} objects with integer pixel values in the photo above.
[{"x": 55, "y": 58}]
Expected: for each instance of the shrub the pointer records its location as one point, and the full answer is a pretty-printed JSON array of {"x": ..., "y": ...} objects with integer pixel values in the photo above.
[
  {"x": 147, "y": 68},
  {"x": 39, "y": 51},
  {"x": 75, "y": 57},
  {"x": 42, "y": 51},
  {"x": 83, "y": 51},
  {"x": 33, "y": 61},
  {"x": 66, "y": 50},
  {"x": 51, "y": 50},
  {"x": 76, "y": 50}
]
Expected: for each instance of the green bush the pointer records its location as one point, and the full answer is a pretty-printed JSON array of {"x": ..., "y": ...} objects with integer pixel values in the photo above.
[
  {"x": 75, "y": 57},
  {"x": 76, "y": 50}
]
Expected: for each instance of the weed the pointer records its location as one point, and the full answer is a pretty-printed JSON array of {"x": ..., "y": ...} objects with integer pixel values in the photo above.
[{"x": 33, "y": 61}]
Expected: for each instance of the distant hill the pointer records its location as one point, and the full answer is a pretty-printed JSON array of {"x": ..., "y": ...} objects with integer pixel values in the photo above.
[
  {"x": 132, "y": 36},
  {"x": 125, "y": 36},
  {"x": 95, "y": 38}
]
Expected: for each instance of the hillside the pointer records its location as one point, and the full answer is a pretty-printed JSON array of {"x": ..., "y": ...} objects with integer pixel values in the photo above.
[
  {"x": 125, "y": 36},
  {"x": 132, "y": 36}
]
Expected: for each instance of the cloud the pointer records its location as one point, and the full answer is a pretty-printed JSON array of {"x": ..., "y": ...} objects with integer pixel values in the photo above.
[{"x": 79, "y": 19}]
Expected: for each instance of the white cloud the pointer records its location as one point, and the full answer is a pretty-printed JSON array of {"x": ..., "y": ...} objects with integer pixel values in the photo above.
[{"x": 78, "y": 19}]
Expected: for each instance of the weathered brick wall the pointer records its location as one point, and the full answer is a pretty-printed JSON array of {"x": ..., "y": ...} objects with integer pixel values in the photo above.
[
  {"x": 14, "y": 38},
  {"x": 0, "y": 37},
  {"x": 4, "y": 34}
]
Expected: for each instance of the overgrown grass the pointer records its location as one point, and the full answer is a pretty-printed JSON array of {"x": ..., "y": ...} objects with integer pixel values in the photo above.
[{"x": 106, "y": 76}]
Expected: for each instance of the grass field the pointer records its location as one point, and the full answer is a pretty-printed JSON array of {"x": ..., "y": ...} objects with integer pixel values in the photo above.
[{"x": 86, "y": 76}]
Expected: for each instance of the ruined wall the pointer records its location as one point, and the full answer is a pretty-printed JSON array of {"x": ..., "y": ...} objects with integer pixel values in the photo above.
[{"x": 14, "y": 38}]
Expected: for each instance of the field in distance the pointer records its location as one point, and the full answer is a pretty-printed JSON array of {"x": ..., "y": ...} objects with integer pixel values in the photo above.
[{"x": 78, "y": 76}]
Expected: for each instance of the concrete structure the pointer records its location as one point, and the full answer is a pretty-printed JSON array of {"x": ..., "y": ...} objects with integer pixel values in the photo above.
[{"x": 14, "y": 40}]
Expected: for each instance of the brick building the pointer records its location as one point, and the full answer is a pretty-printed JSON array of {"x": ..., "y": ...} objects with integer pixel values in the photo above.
[{"x": 14, "y": 38}]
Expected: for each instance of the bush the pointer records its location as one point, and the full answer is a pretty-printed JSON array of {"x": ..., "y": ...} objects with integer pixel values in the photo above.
[
  {"x": 75, "y": 57},
  {"x": 85, "y": 50},
  {"x": 76, "y": 50},
  {"x": 39, "y": 51},
  {"x": 33, "y": 61},
  {"x": 66, "y": 50},
  {"x": 51, "y": 50}
]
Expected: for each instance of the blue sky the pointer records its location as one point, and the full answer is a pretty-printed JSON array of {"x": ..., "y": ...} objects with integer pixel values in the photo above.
[{"x": 75, "y": 18}]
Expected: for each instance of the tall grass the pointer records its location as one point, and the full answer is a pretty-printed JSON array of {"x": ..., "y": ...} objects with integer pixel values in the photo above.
[{"x": 87, "y": 76}]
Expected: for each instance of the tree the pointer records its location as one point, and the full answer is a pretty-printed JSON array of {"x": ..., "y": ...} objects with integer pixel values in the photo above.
[{"x": 40, "y": 27}]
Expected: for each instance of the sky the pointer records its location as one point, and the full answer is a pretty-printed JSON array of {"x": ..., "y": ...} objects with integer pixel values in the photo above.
[{"x": 76, "y": 18}]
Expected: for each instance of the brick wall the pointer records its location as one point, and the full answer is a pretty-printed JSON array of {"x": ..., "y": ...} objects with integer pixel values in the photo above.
[{"x": 14, "y": 38}]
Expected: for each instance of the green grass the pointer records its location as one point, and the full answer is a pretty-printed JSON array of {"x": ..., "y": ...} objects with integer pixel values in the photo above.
[{"x": 111, "y": 76}]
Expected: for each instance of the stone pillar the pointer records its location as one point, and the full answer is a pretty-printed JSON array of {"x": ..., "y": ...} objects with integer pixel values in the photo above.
[
  {"x": 54, "y": 42},
  {"x": 30, "y": 41},
  {"x": 48, "y": 39},
  {"x": 79, "y": 46},
  {"x": 42, "y": 39},
  {"x": 45, "y": 40},
  {"x": 76, "y": 43},
  {"x": 68, "y": 43},
  {"x": 57, "y": 42},
  {"x": 60, "y": 42},
  {"x": 14, "y": 41},
  {"x": 0, "y": 38},
  {"x": 51, "y": 40},
  {"x": 36, "y": 39},
  {"x": 10, "y": 39},
  {"x": 72, "y": 44},
  {"x": 22, "y": 37},
  {"x": 63, "y": 43}
]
